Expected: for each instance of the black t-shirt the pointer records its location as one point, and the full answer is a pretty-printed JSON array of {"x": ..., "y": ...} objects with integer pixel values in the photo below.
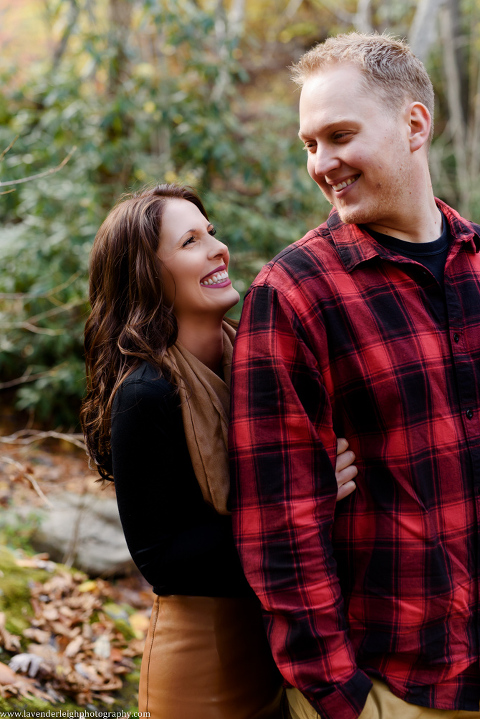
[
  {"x": 179, "y": 542},
  {"x": 431, "y": 255}
]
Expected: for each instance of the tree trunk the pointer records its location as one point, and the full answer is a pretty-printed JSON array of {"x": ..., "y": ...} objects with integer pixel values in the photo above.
[
  {"x": 229, "y": 27},
  {"x": 119, "y": 15},
  {"x": 423, "y": 32},
  {"x": 454, "y": 96},
  {"x": 363, "y": 16},
  {"x": 236, "y": 18}
]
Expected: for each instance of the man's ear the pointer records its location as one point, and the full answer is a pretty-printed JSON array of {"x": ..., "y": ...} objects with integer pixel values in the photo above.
[{"x": 419, "y": 123}]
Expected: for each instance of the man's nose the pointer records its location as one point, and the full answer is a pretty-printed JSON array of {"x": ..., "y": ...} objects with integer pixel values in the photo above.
[{"x": 325, "y": 161}]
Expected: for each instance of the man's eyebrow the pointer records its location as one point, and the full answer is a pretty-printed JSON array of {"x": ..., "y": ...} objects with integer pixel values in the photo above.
[{"x": 329, "y": 126}]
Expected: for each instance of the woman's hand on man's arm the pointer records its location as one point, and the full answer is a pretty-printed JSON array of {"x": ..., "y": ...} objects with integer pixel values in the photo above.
[{"x": 345, "y": 470}]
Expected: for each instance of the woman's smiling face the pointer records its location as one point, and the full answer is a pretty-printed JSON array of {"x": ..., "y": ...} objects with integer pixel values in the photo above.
[{"x": 195, "y": 263}]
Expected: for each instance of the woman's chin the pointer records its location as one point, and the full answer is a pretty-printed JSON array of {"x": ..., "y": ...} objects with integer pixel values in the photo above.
[
  {"x": 232, "y": 300},
  {"x": 235, "y": 302}
]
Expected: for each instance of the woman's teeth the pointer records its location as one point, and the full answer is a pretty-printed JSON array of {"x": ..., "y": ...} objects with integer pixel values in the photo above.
[
  {"x": 215, "y": 279},
  {"x": 348, "y": 182}
]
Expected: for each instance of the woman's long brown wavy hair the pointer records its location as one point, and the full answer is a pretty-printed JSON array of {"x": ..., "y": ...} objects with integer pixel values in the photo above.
[{"x": 130, "y": 320}]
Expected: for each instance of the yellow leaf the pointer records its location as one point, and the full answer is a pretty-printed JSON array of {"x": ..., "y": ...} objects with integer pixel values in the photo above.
[
  {"x": 139, "y": 623},
  {"x": 149, "y": 107}
]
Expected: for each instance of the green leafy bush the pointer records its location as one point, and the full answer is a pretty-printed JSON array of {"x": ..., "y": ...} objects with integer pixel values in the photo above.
[{"x": 178, "y": 111}]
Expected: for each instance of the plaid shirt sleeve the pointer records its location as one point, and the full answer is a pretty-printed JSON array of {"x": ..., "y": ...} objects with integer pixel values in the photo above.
[{"x": 283, "y": 502}]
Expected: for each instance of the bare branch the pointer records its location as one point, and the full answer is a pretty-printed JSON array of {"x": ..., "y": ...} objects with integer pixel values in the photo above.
[
  {"x": 2, "y": 155},
  {"x": 35, "y": 330},
  {"x": 40, "y": 174},
  {"x": 29, "y": 325},
  {"x": 28, "y": 436},
  {"x": 55, "y": 311},
  {"x": 28, "y": 476},
  {"x": 28, "y": 377},
  {"x": 33, "y": 295}
]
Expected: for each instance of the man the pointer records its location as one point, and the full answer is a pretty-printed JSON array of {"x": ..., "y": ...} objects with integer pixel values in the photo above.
[{"x": 367, "y": 328}]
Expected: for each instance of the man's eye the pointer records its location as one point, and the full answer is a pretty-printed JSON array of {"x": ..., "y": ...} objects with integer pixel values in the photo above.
[{"x": 309, "y": 146}]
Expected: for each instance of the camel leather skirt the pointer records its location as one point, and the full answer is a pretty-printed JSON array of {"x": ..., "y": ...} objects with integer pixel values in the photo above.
[{"x": 208, "y": 658}]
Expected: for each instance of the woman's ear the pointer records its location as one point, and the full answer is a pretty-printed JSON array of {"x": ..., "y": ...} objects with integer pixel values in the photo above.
[{"x": 419, "y": 122}]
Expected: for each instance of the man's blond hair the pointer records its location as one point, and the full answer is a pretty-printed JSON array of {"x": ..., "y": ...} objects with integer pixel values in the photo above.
[{"x": 388, "y": 66}]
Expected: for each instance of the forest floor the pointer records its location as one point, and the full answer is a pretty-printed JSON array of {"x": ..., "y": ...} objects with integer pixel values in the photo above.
[{"x": 75, "y": 641}]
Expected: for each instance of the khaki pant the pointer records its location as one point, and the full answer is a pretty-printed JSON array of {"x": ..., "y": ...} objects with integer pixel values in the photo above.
[{"x": 380, "y": 704}]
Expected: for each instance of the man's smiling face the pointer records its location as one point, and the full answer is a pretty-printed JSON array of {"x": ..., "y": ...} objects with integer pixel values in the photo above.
[{"x": 358, "y": 149}]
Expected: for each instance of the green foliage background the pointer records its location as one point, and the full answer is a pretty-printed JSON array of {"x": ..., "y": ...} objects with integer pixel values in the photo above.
[
  {"x": 147, "y": 91},
  {"x": 178, "y": 116}
]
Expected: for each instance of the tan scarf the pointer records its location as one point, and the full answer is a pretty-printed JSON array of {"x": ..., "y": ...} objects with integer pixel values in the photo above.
[{"x": 205, "y": 403}]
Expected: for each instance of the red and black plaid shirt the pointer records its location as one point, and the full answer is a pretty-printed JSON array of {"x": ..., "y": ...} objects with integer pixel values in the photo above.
[{"x": 342, "y": 337}]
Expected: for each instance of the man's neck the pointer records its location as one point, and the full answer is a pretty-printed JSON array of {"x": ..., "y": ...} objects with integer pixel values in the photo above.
[{"x": 422, "y": 223}]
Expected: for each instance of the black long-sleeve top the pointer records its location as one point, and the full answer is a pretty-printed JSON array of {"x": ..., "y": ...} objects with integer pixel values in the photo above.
[{"x": 179, "y": 542}]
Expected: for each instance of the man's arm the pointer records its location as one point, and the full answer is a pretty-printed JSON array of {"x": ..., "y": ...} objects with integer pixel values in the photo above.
[{"x": 283, "y": 499}]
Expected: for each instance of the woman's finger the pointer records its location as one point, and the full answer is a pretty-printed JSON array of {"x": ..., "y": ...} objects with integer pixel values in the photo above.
[
  {"x": 344, "y": 460},
  {"x": 345, "y": 470},
  {"x": 345, "y": 490},
  {"x": 345, "y": 475}
]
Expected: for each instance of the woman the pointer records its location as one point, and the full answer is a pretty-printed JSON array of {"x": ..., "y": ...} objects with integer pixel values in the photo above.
[{"x": 158, "y": 355}]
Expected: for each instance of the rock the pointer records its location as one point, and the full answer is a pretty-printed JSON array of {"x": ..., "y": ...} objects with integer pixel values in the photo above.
[{"x": 83, "y": 530}]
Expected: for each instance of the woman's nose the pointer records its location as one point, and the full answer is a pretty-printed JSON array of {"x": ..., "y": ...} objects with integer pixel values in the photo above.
[{"x": 218, "y": 249}]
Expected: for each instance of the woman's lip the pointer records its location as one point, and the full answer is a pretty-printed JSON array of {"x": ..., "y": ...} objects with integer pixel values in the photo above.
[
  {"x": 218, "y": 269},
  {"x": 225, "y": 283}
]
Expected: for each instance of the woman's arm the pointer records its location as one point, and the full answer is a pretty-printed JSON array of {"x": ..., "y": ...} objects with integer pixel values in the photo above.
[{"x": 179, "y": 543}]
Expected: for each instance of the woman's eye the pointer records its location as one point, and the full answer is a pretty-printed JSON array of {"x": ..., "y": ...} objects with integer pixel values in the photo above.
[
  {"x": 212, "y": 232},
  {"x": 189, "y": 241}
]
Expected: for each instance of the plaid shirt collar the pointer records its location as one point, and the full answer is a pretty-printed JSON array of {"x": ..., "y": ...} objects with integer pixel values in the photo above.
[{"x": 355, "y": 245}]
